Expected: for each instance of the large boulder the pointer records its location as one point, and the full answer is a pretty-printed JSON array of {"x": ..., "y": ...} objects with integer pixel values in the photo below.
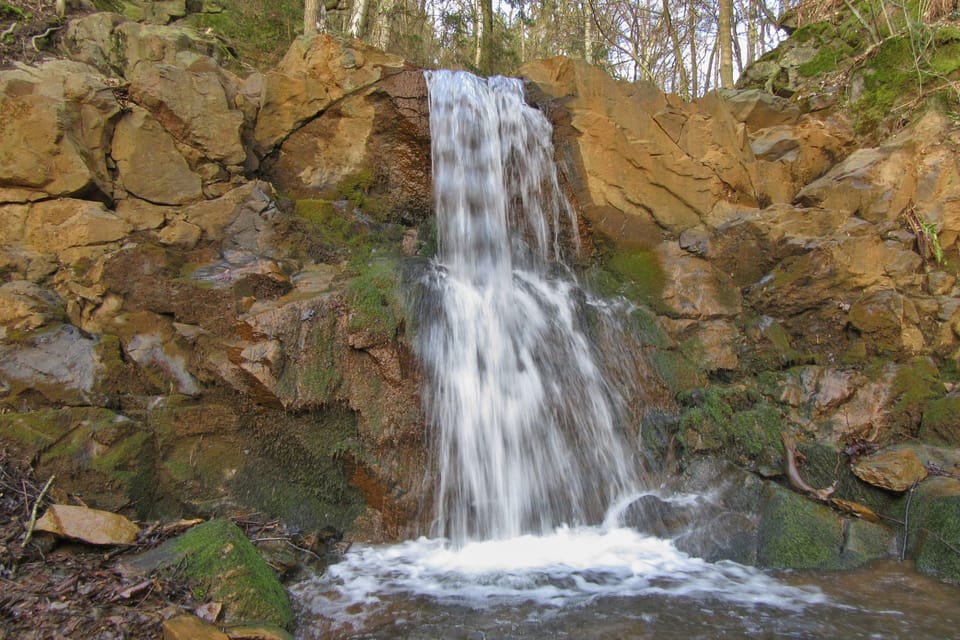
[
  {"x": 316, "y": 72},
  {"x": 56, "y": 123},
  {"x": 636, "y": 156}
]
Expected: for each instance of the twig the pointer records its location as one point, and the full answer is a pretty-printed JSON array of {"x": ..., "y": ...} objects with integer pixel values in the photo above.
[
  {"x": 9, "y": 30},
  {"x": 41, "y": 36},
  {"x": 906, "y": 522},
  {"x": 33, "y": 514},
  {"x": 287, "y": 540}
]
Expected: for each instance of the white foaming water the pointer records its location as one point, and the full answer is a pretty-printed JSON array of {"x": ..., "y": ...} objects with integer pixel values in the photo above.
[
  {"x": 567, "y": 568},
  {"x": 534, "y": 468}
]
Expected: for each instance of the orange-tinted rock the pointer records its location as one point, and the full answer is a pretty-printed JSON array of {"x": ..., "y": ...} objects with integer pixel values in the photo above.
[{"x": 896, "y": 469}]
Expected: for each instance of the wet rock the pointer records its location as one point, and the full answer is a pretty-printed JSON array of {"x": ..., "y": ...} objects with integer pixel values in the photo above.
[
  {"x": 796, "y": 533},
  {"x": 88, "y": 525},
  {"x": 895, "y": 469},
  {"x": 97, "y": 453},
  {"x": 220, "y": 558},
  {"x": 941, "y": 421}
]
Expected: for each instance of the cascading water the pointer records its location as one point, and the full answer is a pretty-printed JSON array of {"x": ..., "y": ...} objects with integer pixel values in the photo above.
[
  {"x": 528, "y": 427},
  {"x": 534, "y": 467}
]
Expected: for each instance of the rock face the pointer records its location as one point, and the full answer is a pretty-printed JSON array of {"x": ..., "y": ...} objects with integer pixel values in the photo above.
[
  {"x": 172, "y": 339},
  {"x": 201, "y": 301}
]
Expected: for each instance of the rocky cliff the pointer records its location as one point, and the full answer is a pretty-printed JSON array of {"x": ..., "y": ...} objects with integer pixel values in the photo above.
[{"x": 202, "y": 307}]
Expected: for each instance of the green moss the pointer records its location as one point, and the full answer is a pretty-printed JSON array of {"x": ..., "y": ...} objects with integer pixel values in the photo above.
[
  {"x": 732, "y": 419},
  {"x": 935, "y": 528},
  {"x": 795, "y": 533},
  {"x": 635, "y": 275},
  {"x": 259, "y": 32},
  {"x": 228, "y": 569},
  {"x": 941, "y": 421},
  {"x": 373, "y": 296},
  {"x": 914, "y": 385}
]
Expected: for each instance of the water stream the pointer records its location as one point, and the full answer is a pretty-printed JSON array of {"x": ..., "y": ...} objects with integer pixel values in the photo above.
[{"x": 534, "y": 467}]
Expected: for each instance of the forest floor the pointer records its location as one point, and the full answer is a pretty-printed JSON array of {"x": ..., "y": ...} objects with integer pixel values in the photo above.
[
  {"x": 54, "y": 590},
  {"x": 28, "y": 29}
]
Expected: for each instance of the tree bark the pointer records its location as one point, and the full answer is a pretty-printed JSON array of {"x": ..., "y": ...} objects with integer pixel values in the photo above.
[
  {"x": 588, "y": 35},
  {"x": 311, "y": 14},
  {"x": 357, "y": 13},
  {"x": 725, "y": 40},
  {"x": 485, "y": 37}
]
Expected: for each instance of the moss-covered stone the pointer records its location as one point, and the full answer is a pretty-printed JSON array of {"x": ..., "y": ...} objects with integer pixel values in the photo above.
[
  {"x": 373, "y": 296},
  {"x": 941, "y": 421},
  {"x": 734, "y": 420},
  {"x": 225, "y": 567},
  {"x": 259, "y": 33},
  {"x": 104, "y": 457},
  {"x": 935, "y": 528},
  {"x": 914, "y": 385},
  {"x": 796, "y": 533}
]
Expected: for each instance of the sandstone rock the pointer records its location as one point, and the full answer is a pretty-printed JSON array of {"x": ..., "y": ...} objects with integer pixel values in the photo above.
[
  {"x": 57, "y": 123},
  {"x": 190, "y": 627},
  {"x": 116, "y": 46},
  {"x": 25, "y": 306},
  {"x": 149, "y": 340},
  {"x": 88, "y": 525},
  {"x": 139, "y": 214},
  {"x": 316, "y": 72},
  {"x": 60, "y": 363},
  {"x": 647, "y": 156},
  {"x": 193, "y": 108},
  {"x": 896, "y": 469},
  {"x": 55, "y": 226},
  {"x": 180, "y": 233},
  {"x": 149, "y": 164},
  {"x": 693, "y": 289},
  {"x": 760, "y": 109},
  {"x": 240, "y": 220}
]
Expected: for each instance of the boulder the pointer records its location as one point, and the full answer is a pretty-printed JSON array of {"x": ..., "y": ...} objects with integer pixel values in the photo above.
[
  {"x": 895, "y": 469},
  {"x": 648, "y": 156},
  {"x": 316, "y": 72},
  {"x": 149, "y": 166},
  {"x": 57, "y": 122},
  {"x": 192, "y": 106},
  {"x": 224, "y": 563},
  {"x": 935, "y": 528}
]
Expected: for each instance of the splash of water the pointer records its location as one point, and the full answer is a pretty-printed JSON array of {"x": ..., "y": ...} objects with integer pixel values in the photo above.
[{"x": 529, "y": 430}]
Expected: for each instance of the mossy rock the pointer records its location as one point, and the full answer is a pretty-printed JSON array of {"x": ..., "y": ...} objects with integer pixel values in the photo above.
[
  {"x": 374, "y": 299},
  {"x": 100, "y": 455},
  {"x": 941, "y": 421},
  {"x": 733, "y": 420},
  {"x": 915, "y": 384},
  {"x": 826, "y": 464},
  {"x": 222, "y": 565},
  {"x": 935, "y": 528},
  {"x": 797, "y": 533}
]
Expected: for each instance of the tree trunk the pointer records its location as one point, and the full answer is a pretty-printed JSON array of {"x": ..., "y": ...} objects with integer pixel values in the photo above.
[
  {"x": 588, "y": 35},
  {"x": 694, "y": 64},
  {"x": 725, "y": 40},
  {"x": 484, "y": 59},
  {"x": 311, "y": 12},
  {"x": 382, "y": 30},
  {"x": 357, "y": 13},
  {"x": 684, "y": 88}
]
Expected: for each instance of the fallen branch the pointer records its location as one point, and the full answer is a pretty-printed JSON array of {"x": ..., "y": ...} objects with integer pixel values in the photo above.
[
  {"x": 793, "y": 474},
  {"x": 906, "y": 522},
  {"x": 36, "y": 507},
  {"x": 41, "y": 36}
]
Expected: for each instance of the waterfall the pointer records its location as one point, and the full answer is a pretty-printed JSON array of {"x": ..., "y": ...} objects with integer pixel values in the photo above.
[{"x": 529, "y": 433}]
